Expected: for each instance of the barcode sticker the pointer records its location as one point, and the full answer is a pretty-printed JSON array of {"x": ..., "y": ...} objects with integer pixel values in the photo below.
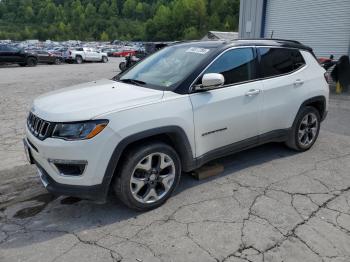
[{"x": 197, "y": 50}]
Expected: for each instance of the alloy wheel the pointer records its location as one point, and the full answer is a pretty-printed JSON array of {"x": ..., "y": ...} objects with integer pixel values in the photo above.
[
  {"x": 152, "y": 178},
  {"x": 58, "y": 61},
  {"x": 308, "y": 129}
]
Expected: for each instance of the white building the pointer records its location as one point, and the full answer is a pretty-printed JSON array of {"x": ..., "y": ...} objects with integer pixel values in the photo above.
[
  {"x": 220, "y": 35},
  {"x": 323, "y": 24}
]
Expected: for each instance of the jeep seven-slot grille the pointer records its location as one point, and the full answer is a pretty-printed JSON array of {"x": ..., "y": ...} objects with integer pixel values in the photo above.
[{"x": 39, "y": 127}]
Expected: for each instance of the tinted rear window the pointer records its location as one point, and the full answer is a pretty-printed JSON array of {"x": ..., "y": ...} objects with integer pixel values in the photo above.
[{"x": 279, "y": 61}]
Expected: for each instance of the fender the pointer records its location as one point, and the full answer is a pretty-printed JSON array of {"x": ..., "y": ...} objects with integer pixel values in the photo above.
[{"x": 175, "y": 133}]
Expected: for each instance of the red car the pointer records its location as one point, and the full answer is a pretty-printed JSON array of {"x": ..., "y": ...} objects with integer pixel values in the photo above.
[{"x": 124, "y": 53}]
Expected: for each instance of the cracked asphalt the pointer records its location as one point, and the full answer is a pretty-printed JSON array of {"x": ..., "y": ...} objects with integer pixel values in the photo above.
[{"x": 269, "y": 204}]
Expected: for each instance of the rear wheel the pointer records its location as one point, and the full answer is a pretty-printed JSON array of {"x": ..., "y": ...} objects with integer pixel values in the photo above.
[
  {"x": 122, "y": 66},
  {"x": 58, "y": 61},
  {"x": 79, "y": 60},
  {"x": 305, "y": 129},
  {"x": 148, "y": 177},
  {"x": 31, "y": 61},
  {"x": 104, "y": 59}
]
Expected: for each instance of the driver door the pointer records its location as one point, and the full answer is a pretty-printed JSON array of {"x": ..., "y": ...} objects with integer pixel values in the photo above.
[
  {"x": 228, "y": 117},
  {"x": 9, "y": 54}
]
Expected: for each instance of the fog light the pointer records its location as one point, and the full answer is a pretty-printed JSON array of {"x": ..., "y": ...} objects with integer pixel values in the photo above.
[{"x": 68, "y": 167}]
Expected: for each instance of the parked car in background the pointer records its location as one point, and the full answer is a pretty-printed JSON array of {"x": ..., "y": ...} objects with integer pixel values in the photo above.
[
  {"x": 59, "y": 51},
  {"x": 326, "y": 62},
  {"x": 124, "y": 53},
  {"x": 152, "y": 47},
  {"x": 14, "y": 55},
  {"x": 129, "y": 62},
  {"x": 109, "y": 51},
  {"x": 45, "y": 57},
  {"x": 85, "y": 54}
]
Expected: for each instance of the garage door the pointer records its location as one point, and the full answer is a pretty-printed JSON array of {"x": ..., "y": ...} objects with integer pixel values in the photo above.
[{"x": 324, "y": 24}]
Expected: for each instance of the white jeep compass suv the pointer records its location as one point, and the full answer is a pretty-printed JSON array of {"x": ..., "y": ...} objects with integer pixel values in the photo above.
[{"x": 183, "y": 106}]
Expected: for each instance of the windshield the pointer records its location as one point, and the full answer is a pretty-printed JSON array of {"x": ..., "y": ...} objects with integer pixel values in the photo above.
[{"x": 167, "y": 68}]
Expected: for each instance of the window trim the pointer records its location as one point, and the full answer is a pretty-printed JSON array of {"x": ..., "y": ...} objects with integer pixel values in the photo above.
[
  {"x": 285, "y": 74},
  {"x": 255, "y": 54}
]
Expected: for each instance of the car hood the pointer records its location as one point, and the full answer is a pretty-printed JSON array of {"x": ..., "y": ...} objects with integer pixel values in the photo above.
[{"x": 88, "y": 100}]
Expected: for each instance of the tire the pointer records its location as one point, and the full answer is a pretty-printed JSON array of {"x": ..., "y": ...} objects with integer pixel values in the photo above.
[
  {"x": 104, "y": 59},
  {"x": 154, "y": 184},
  {"x": 78, "y": 59},
  {"x": 122, "y": 66},
  {"x": 31, "y": 61},
  {"x": 305, "y": 129},
  {"x": 58, "y": 61}
]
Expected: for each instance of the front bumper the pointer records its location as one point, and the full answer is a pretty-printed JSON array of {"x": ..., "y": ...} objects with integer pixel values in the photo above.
[
  {"x": 94, "y": 182},
  {"x": 97, "y": 192}
]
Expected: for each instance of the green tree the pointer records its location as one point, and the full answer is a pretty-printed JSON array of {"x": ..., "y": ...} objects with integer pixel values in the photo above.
[
  {"x": 104, "y": 10},
  {"x": 104, "y": 36},
  {"x": 118, "y": 19},
  {"x": 129, "y": 8},
  {"x": 191, "y": 33}
]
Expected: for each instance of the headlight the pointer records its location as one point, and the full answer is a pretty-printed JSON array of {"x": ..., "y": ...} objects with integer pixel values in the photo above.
[{"x": 79, "y": 130}]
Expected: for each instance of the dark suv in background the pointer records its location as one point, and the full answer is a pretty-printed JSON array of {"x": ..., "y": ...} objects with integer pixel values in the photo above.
[{"x": 11, "y": 54}]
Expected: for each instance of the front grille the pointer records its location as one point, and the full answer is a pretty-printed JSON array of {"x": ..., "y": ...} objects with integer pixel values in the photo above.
[{"x": 39, "y": 127}]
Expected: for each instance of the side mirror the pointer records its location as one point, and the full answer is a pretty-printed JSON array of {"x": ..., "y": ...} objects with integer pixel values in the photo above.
[{"x": 211, "y": 81}]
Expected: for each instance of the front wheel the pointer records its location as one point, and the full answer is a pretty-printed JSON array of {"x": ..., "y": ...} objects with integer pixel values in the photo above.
[
  {"x": 148, "y": 177},
  {"x": 305, "y": 129},
  {"x": 104, "y": 59}
]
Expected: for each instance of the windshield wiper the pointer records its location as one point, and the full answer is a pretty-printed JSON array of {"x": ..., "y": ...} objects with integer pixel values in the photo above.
[{"x": 133, "y": 81}]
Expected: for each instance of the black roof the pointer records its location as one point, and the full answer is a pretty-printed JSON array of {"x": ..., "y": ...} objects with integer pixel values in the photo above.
[
  {"x": 273, "y": 42},
  {"x": 249, "y": 42}
]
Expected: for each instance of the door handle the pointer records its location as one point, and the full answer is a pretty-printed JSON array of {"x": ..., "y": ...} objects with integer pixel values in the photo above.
[
  {"x": 253, "y": 92},
  {"x": 298, "y": 82}
]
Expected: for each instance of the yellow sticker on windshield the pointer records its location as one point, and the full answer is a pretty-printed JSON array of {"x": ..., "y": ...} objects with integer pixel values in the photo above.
[{"x": 197, "y": 50}]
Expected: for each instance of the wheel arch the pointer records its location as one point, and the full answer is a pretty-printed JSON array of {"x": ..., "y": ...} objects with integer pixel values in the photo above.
[
  {"x": 173, "y": 135},
  {"x": 318, "y": 102}
]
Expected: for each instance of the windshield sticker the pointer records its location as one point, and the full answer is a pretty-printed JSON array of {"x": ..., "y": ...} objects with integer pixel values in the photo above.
[{"x": 197, "y": 50}]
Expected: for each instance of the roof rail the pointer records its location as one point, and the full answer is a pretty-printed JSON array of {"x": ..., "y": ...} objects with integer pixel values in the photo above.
[{"x": 272, "y": 39}]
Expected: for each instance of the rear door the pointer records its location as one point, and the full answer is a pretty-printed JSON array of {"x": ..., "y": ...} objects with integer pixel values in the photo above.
[
  {"x": 96, "y": 55},
  {"x": 282, "y": 73},
  {"x": 43, "y": 57},
  {"x": 229, "y": 114}
]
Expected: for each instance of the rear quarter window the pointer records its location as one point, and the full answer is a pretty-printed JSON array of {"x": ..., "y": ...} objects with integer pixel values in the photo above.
[{"x": 279, "y": 61}]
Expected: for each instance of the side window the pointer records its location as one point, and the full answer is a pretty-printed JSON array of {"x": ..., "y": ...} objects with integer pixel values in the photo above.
[
  {"x": 236, "y": 65},
  {"x": 4, "y": 48},
  {"x": 279, "y": 61}
]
